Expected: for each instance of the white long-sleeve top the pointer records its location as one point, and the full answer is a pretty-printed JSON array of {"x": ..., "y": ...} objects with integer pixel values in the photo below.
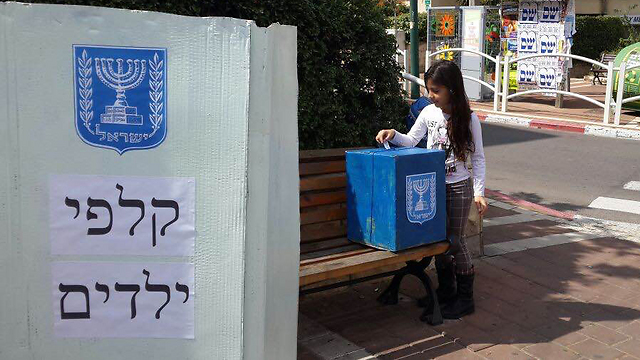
[{"x": 433, "y": 122}]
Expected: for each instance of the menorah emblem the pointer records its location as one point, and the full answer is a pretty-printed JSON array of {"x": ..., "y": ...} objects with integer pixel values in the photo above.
[
  {"x": 421, "y": 187},
  {"x": 120, "y": 112},
  {"x": 421, "y": 197}
]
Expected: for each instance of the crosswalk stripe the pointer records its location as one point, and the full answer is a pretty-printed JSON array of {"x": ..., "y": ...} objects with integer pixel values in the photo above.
[
  {"x": 623, "y": 205},
  {"x": 537, "y": 242},
  {"x": 501, "y": 205},
  {"x": 632, "y": 185},
  {"x": 514, "y": 219}
]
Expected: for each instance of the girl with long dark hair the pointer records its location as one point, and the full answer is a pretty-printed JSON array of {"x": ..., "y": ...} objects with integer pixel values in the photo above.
[{"x": 450, "y": 125}]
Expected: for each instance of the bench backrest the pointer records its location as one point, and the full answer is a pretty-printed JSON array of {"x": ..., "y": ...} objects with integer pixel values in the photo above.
[
  {"x": 604, "y": 58},
  {"x": 323, "y": 207},
  {"x": 607, "y": 57}
]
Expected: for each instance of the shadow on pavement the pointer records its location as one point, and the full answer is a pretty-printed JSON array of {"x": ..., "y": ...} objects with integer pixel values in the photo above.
[
  {"x": 493, "y": 135},
  {"x": 549, "y": 298}
]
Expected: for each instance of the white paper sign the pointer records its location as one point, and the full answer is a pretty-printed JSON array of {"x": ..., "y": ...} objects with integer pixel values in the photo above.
[
  {"x": 528, "y": 38},
  {"x": 472, "y": 32},
  {"x": 121, "y": 215},
  {"x": 100, "y": 299},
  {"x": 549, "y": 11},
  {"x": 551, "y": 39},
  {"x": 528, "y": 12},
  {"x": 634, "y": 19},
  {"x": 527, "y": 72}
]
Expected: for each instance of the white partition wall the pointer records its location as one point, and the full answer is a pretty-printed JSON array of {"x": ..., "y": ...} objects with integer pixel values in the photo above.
[
  {"x": 148, "y": 186},
  {"x": 272, "y": 252}
]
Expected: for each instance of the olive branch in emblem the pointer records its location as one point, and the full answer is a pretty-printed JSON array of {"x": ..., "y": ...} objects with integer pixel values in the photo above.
[
  {"x": 433, "y": 194},
  {"x": 85, "y": 90},
  {"x": 156, "y": 85}
]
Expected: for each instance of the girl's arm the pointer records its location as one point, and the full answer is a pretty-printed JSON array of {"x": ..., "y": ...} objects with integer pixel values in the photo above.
[
  {"x": 413, "y": 137},
  {"x": 477, "y": 157}
]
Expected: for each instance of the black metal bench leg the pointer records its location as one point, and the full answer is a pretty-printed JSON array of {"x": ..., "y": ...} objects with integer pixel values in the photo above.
[
  {"x": 597, "y": 77},
  {"x": 390, "y": 295},
  {"x": 430, "y": 316},
  {"x": 417, "y": 269}
]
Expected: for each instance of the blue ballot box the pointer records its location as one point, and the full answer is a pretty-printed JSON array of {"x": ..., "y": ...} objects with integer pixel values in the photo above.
[{"x": 396, "y": 199}]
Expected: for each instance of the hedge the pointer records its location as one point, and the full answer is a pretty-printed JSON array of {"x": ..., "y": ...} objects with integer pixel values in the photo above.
[
  {"x": 598, "y": 34},
  {"x": 347, "y": 73}
]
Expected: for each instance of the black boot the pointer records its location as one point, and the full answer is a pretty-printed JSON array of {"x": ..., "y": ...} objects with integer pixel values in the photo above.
[
  {"x": 446, "y": 291},
  {"x": 464, "y": 303}
]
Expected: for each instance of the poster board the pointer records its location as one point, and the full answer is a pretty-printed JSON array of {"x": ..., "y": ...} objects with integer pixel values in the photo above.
[{"x": 543, "y": 27}]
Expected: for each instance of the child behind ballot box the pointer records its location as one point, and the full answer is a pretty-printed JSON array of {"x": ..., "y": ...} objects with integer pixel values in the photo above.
[{"x": 451, "y": 126}]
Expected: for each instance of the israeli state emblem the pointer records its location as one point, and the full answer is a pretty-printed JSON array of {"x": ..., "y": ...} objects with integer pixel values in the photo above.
[
  {"x": 120, "y": 96},
  {"x": 421, "y": 197}
]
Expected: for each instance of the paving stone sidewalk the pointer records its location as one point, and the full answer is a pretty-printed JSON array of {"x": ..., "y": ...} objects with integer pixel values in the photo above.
[{"x": 546, "y": 290}]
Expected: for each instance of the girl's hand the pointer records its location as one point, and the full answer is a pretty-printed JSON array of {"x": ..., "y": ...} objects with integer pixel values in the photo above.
[
  {"x": 385, "y": 135},
  {"x": 481, "y": 204}
]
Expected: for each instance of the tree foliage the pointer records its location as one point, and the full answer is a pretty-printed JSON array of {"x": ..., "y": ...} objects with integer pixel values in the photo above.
[{"x": 347, "y": 73}]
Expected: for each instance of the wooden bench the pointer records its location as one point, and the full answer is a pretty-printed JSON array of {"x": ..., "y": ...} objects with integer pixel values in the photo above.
[
  {"x": 598, "y": 70},
  {"x": 325, "y": 252}
]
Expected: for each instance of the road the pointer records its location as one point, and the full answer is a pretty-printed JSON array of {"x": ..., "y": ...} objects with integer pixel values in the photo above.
[{"x": 591, "y": 176}]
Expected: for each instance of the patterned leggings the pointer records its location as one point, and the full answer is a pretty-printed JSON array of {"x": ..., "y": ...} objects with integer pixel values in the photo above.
[{"x": 459, "y": 198}]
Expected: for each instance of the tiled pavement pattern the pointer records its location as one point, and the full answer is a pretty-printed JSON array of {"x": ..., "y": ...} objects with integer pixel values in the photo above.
[{"x": 578, "y": 298}]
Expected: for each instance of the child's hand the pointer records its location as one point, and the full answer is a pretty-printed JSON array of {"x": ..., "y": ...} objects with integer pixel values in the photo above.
[
  {"x": 481, "y": 204},
  {"x": 385, "y": 135}
]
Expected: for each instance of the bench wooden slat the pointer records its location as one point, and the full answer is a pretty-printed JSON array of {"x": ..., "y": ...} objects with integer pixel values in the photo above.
[
  {"x": 308, "y": 248},
  {"x": 314, "y": 232},
  {"x": 319, "y": 216},
  {"x": 323, "y": 198},
  {"x": 322, "y": 155},
  {"x": 334, "y": 268},
  {"x": 326, "y": 167},
  {"x": 331, "y": 181},
  {"x": 339, "y": 252},
  {"x": 358, "y": 249}
]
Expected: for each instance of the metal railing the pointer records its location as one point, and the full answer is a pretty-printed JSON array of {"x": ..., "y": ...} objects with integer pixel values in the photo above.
[
  {"x": 500, "y": 89},
  {"x": 608, "y": 93}
]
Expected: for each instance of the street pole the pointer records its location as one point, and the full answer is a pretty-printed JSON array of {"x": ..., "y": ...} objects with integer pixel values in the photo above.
[{"x": 415, "y": 45}]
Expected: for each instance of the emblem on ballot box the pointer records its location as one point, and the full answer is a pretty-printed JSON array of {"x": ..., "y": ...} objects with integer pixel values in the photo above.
[
  {"x": 120, "y": 96},
  {"x": 421, "y": 197}
]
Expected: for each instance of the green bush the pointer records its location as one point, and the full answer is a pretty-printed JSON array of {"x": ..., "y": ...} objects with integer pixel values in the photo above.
[
  {"x": 402, "y": 22},
  {"x": 347, "y": 74},
  {"x": 393, "y": 7},
  {"x": 598, "y": 34}
]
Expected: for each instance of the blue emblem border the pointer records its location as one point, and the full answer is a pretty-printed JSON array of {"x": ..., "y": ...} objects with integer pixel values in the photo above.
[
  {"x": 434, "y": 210},
  {"x": 75, "y": 99}
]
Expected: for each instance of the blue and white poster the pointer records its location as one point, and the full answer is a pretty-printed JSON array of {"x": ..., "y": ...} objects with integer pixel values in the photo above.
[
  {"x": 543, "y": 30},
  {"x": 120, "y": 96}
]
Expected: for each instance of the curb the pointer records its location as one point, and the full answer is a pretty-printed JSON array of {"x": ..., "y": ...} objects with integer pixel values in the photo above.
[
  {"x": 529, "y": 205},
  {"x": 566, "y": 126}
]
